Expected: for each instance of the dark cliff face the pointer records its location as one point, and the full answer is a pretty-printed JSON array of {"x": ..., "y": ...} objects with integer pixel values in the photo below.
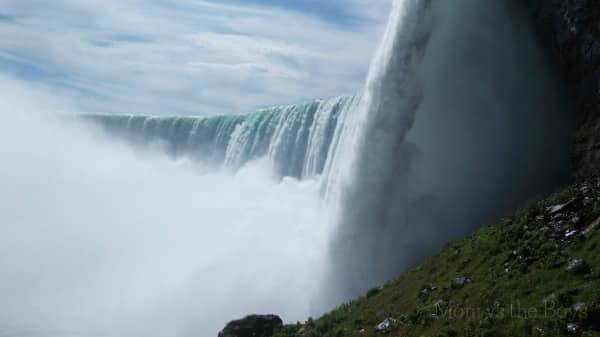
[{"x": 571, "y": 30}]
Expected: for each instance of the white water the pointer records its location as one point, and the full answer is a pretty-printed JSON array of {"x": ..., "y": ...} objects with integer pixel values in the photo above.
[
  {"x": 296, "y": 139},
  {"x": 462, "y": 120}
]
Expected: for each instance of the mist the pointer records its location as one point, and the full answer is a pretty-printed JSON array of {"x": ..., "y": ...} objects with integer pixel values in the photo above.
[
  {"x": 495, "y": 125},
  {"x": 99, "y": 238}
]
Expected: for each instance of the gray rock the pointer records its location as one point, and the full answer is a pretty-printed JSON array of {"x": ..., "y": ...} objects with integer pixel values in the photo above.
[
  {"x": 591, "y": 228},
  {"x": 579, "y": 307},
  {"x": 425, "y": 291},
  {"x": 577, "y": 265},
  {"x": 572, "y": 328},
  {"x": 252, "y": 326},
  {"x": 385, "y": 326},
  {"x": 570, "y": 234},
  {"x": 554, "y": 210},
  {"x": 460, "y": 282}
]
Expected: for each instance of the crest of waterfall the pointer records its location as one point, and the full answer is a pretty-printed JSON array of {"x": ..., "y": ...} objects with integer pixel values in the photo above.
[{"x": 297, "y": 139}]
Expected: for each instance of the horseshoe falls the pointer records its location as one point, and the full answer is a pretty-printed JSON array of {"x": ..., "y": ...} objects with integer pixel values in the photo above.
[
  {"x": 296, "y": 139},
  {"x": 135, "y": 225}
]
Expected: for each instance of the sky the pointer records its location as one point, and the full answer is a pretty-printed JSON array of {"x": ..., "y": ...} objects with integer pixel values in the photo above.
[{"x": 198, "y": 57}]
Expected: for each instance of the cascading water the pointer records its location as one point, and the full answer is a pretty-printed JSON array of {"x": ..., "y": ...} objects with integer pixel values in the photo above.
[
  {"x": 386, "y": 175},
  {"x": 462, "y": 120},
  {"x": 376, "y": 162},
  {"x": 296, "y": 139},
  {"x": 295, "y": 208}
]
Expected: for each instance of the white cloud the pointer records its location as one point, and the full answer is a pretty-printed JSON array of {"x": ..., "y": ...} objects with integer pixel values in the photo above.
[{"x": 183, "y": 56}]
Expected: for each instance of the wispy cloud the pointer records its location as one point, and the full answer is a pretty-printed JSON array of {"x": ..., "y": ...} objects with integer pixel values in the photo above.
[{"x": 189, "y": 56}]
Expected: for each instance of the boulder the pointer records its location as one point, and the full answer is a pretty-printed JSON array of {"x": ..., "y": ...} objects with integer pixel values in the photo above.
[
  {"x": 252, "y": 326},
  {"x": 577, "y": 266},
  {"x": 579, "y": 307},
  {"x": 460, "y": 282},
  {"x": 425, "y": 291},
  {"x": 572, "y": 328},
  {"x": 385, "y": 326},
  {"x": 557, "y": 209},
  {"x": 570, "y": 234},
  {"x": 591, "y": 228}
]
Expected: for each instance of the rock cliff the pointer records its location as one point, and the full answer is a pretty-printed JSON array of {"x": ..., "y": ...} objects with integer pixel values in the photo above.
[{"x": 571, "y": 31}]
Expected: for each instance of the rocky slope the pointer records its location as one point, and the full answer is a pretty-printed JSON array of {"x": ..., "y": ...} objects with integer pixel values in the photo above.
[{"x": 536, "y": 273}]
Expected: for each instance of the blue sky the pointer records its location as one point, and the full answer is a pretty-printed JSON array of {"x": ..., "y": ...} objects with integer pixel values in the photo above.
[{"x": 189, "y": 56}]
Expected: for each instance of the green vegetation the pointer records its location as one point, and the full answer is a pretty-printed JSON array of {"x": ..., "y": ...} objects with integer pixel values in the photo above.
[{"x": 536, "y": 273}]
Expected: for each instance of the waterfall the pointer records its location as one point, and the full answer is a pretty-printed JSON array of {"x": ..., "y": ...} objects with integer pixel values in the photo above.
[
  {"x": 354, "y": 145},
  {"x": 408, "y": 163},
  {"x": 462, "y": 119},
  {"x": 374, "y": 165},
  {"x": 297, "y": 139}
]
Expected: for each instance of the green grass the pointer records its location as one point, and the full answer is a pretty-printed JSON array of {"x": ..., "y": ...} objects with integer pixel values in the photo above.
[{"x": 515, "y": 289}]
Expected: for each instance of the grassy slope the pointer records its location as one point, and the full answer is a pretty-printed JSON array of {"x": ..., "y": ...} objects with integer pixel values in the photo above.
[{"x": 518, "y": 287}]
